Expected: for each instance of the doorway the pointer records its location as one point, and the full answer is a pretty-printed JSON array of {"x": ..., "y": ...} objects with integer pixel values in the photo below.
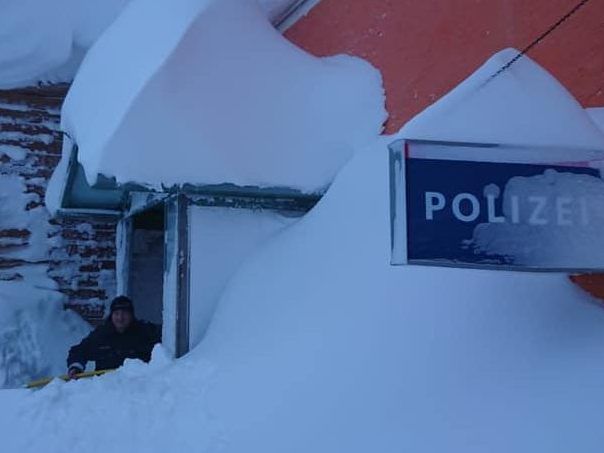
[{"x": 146, "y": 263}]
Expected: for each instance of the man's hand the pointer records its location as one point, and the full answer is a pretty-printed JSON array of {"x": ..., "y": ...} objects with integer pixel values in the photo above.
[{"x": 73, "y": 371}]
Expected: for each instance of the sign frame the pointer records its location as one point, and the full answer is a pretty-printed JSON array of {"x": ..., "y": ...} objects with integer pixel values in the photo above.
[{"x": 399, "y": 152}]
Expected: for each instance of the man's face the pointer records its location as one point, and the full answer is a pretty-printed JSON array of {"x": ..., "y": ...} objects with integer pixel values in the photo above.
[{"x": 121, "y": 320}]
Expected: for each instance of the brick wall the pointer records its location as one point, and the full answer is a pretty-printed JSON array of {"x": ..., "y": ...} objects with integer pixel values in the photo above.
[{"x": 79, "y": 253}]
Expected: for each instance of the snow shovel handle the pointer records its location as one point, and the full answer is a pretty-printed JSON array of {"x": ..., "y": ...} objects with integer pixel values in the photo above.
[{"x": 86, "y": 374}]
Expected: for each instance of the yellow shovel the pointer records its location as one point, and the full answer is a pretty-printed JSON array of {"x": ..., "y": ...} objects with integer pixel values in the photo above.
[{"x": 86, "y": 374}]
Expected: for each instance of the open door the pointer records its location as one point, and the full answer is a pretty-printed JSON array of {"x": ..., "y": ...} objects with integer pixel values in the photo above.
[
  {"x": 140, "y": 260},
  {"x": 204, "y": 236}
]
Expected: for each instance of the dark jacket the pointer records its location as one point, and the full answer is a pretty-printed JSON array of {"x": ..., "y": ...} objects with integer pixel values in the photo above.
[{"x": 109, "y": 349}]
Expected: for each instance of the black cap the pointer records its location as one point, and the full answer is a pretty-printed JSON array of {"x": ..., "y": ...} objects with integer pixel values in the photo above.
[{"x": 121, "y": 303}]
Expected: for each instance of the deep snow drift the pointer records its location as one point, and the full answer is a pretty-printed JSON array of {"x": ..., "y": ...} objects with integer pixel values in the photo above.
[
  {"x": 35, "y": 331},
  {"x": 363, "y": 357},
  {"x": 525, "y": 105},
  {"x": 206, "y": 105},
  {"x": 320, "y": 345},
  {"x": 597, "y": 116}
]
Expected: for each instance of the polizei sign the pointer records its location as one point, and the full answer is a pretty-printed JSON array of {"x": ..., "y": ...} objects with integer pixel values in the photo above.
[{"x": 496, "y": 206}]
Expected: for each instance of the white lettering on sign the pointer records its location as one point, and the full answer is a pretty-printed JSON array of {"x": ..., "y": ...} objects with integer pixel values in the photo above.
[
  {"x": 515, "y": 203},
  {"x": 563, "y": 210},
  {"x": 491, "y": 192},
  {"x": 435, "y": 201},
  {"x": 535, "y": 209},
  {"x": 474, "y": 207},
  {"x": 538, "y": 208}
]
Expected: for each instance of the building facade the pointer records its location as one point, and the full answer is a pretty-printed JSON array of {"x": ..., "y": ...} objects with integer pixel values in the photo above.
[{"x": 423, "y": 49}]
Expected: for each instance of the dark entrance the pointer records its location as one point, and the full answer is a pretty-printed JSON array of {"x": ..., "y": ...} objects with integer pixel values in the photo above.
[{"x": 146, "y": 263}]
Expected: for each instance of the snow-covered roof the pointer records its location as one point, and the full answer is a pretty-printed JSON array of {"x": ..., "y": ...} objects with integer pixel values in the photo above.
[
  {"x": 205, "y": 105},
  {"x": 523, "y": 105},
  {"x": 44, "y": 41}
]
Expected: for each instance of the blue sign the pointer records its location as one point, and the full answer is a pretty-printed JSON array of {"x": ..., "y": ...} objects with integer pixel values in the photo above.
[{"x": 451, "y": 206}]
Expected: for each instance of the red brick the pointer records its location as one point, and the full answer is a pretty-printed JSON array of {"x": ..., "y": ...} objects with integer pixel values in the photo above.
[
  {"x": 75, "y": 235},
  {"x": 103, "y": 235},
  {"x": 88, "y": 283},
  {"x": 33, "y": 205},
  {"x": 108, "y": 265},
  {"x": 100, "y": 252},
  {"x": 7, "y": 263},
  {"x": 15, "y": 233},
  {"x": 82, "y": 293},
  {"x": 90, "y": 268},
  {"x": 33, "y": 188},
  {"x": 48, "y": 161}
]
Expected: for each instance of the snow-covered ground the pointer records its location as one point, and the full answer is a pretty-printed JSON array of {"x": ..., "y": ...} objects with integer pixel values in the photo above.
[
  {"x": 320, "y": 345},
  {"x": 35, "y": 331},
  {"x": 597, "y": 116}
]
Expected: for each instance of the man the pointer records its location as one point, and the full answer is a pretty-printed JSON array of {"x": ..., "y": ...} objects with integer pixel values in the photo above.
[{"x": 121, "y": 337}]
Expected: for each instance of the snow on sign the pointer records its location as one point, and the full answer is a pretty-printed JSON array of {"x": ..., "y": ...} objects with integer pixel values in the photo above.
[{"x": 496, "y": 206}]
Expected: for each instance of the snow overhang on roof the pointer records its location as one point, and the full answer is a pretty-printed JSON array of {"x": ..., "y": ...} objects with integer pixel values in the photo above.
[
  {"x": 210, "y": 106},
  {"x": 524, "y": 105}
]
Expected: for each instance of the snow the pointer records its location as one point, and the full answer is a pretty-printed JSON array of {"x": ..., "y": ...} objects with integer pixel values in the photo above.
[
  {"x": 13, "y": 215},
  {"x": 318, "y": 344},
  {"x": 517, "y": 107},
  {"x": 57, "y": 183},
  {"x": 597, "y": 116},
  {"x": 141, "y": 412},
  {"x": 45, "y": 41},
  {"x": 362, "y": 356},
  {"x": 525, "y": 106},
  {"x": 223, "y": 239},
  {"x": 35, "y": 331},
  {"x": 569, "y": 225},
  {"x": 228, "y": 117}
]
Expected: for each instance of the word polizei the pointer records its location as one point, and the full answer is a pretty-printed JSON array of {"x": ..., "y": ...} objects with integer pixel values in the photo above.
[{"x": 534, "y": 208}]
